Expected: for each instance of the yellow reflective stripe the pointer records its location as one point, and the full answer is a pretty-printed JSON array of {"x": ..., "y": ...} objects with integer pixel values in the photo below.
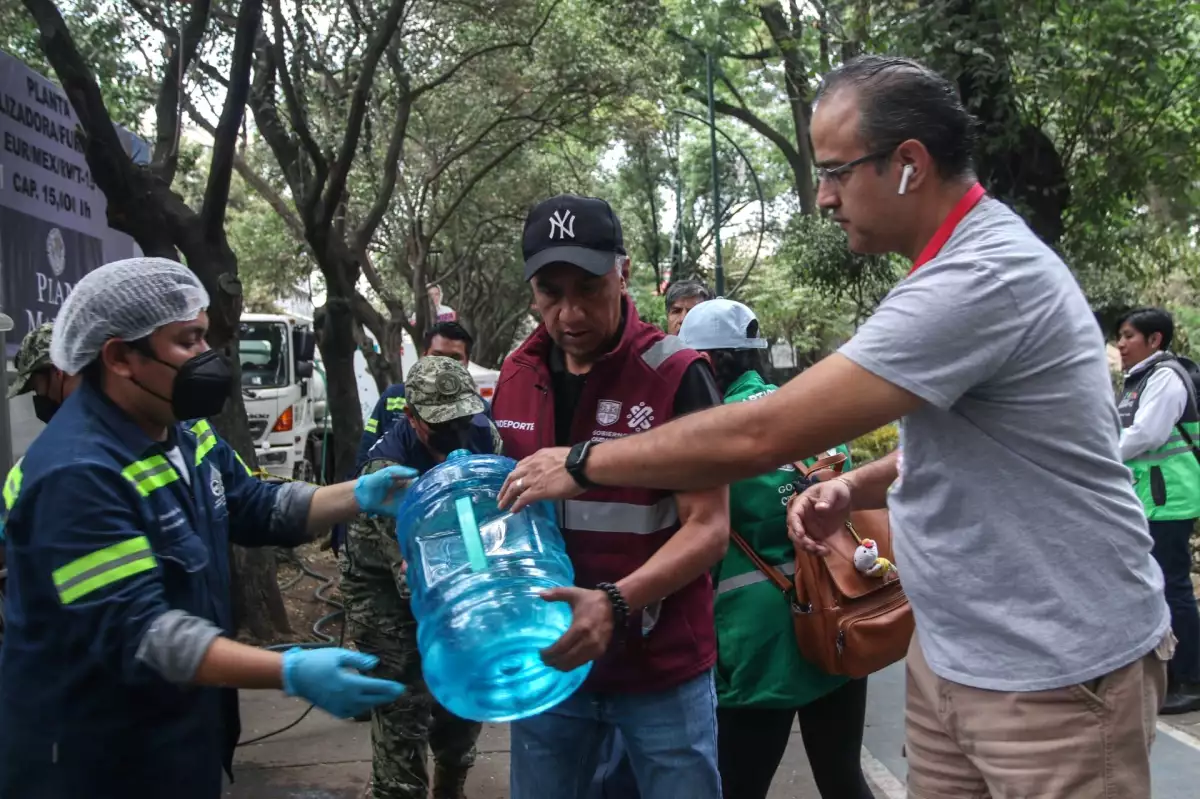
[
  {"x": 150, "y": 474},
  {"x": 12, "y": 485},
  {"x": 396, "y": 404},
  {"x": 372, "y": 425},
  {"x": 109, "y": 565},
  {"x": 244, "y": 466},
  {"x": 206, "y": 439}
]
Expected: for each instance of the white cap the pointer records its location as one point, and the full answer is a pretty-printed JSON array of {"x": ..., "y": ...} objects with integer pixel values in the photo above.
[
  {"x": 128, "y": 300},
  {"x": 720, "y": 324}
]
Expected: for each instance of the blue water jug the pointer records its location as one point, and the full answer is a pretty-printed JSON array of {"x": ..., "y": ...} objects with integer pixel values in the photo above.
[{"x": 476, "y": 573}]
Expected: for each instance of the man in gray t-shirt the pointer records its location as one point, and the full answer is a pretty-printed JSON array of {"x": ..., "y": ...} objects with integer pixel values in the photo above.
[
  {"x": 1022, "y": 546},
  {"x": 1042, "y": 633}
]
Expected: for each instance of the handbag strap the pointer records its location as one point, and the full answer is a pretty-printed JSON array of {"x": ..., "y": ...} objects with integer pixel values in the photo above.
[
  {"x": 774, "y": 575},
  {"x": 836, "y": 462}
]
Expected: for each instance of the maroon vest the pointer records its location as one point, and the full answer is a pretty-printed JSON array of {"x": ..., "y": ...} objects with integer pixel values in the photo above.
[{"x": 611, "y": 532}]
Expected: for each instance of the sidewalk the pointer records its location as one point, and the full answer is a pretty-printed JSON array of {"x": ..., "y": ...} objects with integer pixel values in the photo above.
[{"x": 326, "y": 758}]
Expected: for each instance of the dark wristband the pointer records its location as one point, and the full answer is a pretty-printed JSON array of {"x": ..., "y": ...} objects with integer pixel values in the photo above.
[
  {"x": 619, "y": 605},
  {"x": 577, "y": 462}
]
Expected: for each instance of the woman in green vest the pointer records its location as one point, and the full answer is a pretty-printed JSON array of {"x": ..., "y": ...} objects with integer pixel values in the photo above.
[
  {"x": 763, "y": 683},
  {"x": 1160, "y": 430}
]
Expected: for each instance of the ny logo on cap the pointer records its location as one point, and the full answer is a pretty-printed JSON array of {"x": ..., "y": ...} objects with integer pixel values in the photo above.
[{"x": 564, "y": 222}]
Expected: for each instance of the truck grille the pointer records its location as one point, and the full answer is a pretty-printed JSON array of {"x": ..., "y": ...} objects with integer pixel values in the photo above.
[{"x": 258, "y": 428}]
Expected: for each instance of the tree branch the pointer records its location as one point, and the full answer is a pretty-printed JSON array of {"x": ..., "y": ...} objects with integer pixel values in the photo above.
[
  {"x": 340, "y": 171},
  {"x": 479, "y": 175},
  {"x": 297, "y": 113},
  {"x": 482, "y": 51},
  {"x": 165, "y": 159},
  {"x": 220, "y": 171},
  {"x": 111, "y": 168},
  {"x": 391, "y": 164}
]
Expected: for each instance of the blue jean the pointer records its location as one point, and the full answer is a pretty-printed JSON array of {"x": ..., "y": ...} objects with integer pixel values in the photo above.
[
  {"x": 670, "y": 736},
  {"x": 1173, "y": 552},
  {"x": 615, "y": 778}
]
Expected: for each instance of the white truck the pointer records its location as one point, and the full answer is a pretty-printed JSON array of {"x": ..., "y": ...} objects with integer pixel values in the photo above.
[{"x": 283, "y": 387}]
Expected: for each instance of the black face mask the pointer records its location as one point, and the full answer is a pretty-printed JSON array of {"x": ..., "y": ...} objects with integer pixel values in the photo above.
[
  {"x": 44, "y": 408},
  {"x": 447, "y": 439},
  {"x": 201, "y": 385}
]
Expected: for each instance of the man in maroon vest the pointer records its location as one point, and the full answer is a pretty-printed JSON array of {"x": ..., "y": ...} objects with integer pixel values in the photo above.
[{"x": 593, "y": 371}]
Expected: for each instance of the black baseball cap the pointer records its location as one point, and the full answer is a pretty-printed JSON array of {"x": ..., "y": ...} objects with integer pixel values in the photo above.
[{"x": 582, "y": 231}]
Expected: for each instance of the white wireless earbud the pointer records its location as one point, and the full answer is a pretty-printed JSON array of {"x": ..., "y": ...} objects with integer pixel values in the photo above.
[{"x": 904, "y": 176}]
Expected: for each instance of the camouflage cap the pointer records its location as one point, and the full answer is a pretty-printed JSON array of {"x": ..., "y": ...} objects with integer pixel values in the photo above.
[
  {"x": 34, "y": 354},
  {"x": 441, "y": 389}
]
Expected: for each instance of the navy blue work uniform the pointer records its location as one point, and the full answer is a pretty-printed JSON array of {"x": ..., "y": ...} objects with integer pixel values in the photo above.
[
  {"x": 388, "y": 411},
  {"x": 401, "y": 444},
  {"x": 389, "y": 408},
  {"x": 105, "y": 534}
]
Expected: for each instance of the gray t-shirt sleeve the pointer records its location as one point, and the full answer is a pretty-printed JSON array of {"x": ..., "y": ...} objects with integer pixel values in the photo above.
[{"x": 946, "y": 328}]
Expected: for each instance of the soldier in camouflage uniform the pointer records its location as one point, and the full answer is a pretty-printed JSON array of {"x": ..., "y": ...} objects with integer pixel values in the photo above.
[
  {"x": 443, "y": 413},
  {"x": 35, "y": 373},
  {"x": 50, "y": 386}
]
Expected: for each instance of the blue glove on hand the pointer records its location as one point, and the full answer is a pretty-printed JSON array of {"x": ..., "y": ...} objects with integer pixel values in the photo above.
[
  {"x": 380, "y": 492},
  {"x": 327, "y": 678}
]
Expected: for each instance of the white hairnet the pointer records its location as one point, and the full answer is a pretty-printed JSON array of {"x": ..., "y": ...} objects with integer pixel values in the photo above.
[{"x": 126, "y": 299}]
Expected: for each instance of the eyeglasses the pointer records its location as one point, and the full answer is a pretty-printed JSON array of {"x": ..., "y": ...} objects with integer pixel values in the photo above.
[{"x": 841, "y": 172}]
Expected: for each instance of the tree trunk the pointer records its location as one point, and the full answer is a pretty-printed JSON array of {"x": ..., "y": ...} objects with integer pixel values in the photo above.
[{"x": 341, "y": 388}]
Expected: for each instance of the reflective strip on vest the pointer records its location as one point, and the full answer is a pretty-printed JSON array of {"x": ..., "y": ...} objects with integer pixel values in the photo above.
[
  {"x": 1178, "y": 448},
  {"x": 249, "y": 471},
  {"x": 619, "y": 517},
  {"x": 372, "y": 425},
  {"x": 12, "y": 485},
  {"x": 662, "y": 349},
  {"x": 396, "y": 404},
  {"x": 109, "y": 565},
  {"x": 751, "y": 578},
  {"x": 206, "y": 439},
  {"x": 150, "y": 474}
]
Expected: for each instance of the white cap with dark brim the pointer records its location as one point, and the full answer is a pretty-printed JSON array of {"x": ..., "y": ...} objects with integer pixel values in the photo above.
[{"x": 720, "y": 324}]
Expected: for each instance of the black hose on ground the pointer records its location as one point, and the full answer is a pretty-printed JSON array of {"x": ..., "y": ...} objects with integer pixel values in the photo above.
[{"x": 318, "y": 629}]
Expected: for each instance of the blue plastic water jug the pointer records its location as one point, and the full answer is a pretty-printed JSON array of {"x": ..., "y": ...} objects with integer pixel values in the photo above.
[{"x": 476, "y": 573}]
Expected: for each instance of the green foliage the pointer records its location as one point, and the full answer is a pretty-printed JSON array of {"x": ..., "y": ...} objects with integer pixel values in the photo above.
[
  {"x": 875, "y": 445},
  {"x": 108, "y": 39},
  {"x": 816, "y": 248}
]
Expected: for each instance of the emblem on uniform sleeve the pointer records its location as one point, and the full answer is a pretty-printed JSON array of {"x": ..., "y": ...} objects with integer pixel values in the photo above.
[
  {"x": 218, "y": 489},
  {"x": 608, "y": 412},
  {"x": 640, "y": 416}
]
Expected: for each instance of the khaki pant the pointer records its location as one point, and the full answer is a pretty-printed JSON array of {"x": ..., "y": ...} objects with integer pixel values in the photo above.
[{"x": 1088, "y": 741}]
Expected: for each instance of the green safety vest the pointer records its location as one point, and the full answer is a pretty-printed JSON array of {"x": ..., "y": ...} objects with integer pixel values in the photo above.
[
  {"x": 758, "y": 664},
  {"x": 1167, "y": 479}
]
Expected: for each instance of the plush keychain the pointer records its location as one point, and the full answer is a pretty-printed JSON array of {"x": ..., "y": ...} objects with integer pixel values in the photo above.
[{"x": 867, "y": 560}]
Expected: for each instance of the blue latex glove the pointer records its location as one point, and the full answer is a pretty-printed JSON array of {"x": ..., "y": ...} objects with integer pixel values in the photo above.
[
  {"x": 381, "y": 492},
  {"x": 327, "y": 678}
]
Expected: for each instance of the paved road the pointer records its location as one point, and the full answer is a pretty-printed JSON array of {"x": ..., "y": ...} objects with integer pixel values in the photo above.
[{"x": 324, "y": 758}]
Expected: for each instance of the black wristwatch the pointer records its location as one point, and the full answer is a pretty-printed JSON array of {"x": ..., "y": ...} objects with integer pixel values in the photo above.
[{"x": 577, "y": 462}]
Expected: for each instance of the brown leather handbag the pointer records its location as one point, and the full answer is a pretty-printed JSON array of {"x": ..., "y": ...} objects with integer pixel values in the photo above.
[{"x": 846, "y": 622}]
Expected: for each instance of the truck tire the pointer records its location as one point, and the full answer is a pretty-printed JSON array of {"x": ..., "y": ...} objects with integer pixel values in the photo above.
[{"x": 304, "y": 471}]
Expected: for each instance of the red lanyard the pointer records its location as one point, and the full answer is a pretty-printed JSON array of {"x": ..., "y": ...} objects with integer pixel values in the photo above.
[{"x": 968, "y": 201}]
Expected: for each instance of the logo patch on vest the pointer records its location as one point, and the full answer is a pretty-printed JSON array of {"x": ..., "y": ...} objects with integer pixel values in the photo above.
[
  {"x": 640, "y": 416},
  {"x": 515, "y": 425},
  {"x": 218, "y": 488},
  {"x": 607, "y": 412}
]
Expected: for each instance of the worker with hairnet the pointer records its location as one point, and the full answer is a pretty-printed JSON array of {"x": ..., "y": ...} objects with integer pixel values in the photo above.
[{"x": 117, "y": 666}]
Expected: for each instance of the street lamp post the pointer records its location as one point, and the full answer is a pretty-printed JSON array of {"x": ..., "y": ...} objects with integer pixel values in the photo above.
[
  {"x": 762, "y": 206},
  {"x": 716, "y": 182}
]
